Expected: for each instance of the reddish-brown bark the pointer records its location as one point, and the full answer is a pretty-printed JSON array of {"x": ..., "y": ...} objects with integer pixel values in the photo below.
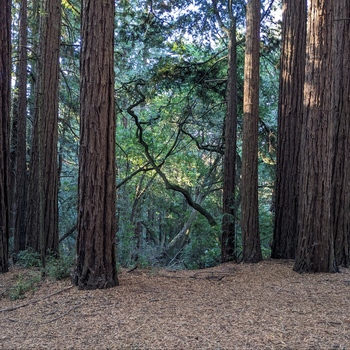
[
  {"x": 250, "y": 210},
  {"x": 42, "y": 214},
  {"x": 315, "y": 249},
  {"x": 96, "y": 251},
  {"x": 340, "y": 205},
  {"x": 289, "y": 128}
]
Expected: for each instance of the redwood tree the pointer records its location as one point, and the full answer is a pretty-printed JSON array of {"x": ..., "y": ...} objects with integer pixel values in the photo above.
[
  {"x": 315, "y": 249},
  {"x": 21, "y": 139},
  {"x": 228, "y": 243},
  {"x": 250, "y": 209},
  {"x": 5, "y": 84},
  {"x": 289, "y": 128},
  {"x": 340, "y": 204},
  {"x": 96, "y": 253},
  {"x": 42, "y": 214}
]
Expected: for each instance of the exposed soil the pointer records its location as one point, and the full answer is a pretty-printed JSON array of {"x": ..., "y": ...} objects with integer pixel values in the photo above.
[{"x": 262, "y": 306}]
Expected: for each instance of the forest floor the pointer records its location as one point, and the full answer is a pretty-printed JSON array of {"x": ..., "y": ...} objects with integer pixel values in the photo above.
[{"x": 231, "y": 306}]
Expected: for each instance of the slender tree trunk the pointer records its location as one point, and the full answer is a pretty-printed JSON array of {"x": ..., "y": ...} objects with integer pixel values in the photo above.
[
  {"x": 289, "y": 128},
  {"x": 21, "y": 165},
  {"x": 315, "y": 250},
  {"x": 250, "y": 210},
  {"x": 5, "y": 92},
  {"x": 96, "y": 253},
  {"x": 340, "y": 204},
  {"x": 42, "y": 223},
  {"x": 228, "y": 239},
  {"x": 228, "y": 242}
]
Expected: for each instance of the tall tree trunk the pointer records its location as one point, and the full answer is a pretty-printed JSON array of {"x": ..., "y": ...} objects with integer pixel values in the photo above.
[
  {"x": 289, "y": 128},
  {"x": 228, "y": 242},
  {"x": 96, "y": 253},
  {"x": 42, "y": 218},
  {"x": 21, "y": 166},
  {"x": 5, "y": 92},
  {"x": 250, "y": 209},
  {"x": 340, "y": 204},
  {"x": 228, "y": 239},
  {"x": 31, "y": 224},
  {"x": 33, "y": 29},
  {"x": 315, "y": 250}
]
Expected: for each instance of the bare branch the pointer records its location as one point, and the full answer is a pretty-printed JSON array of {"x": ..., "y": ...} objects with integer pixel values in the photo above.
[
  {"x": 143, "y": 168},
  {"x": 156, "y": 167},
  {"x": 68, "y": 233}
]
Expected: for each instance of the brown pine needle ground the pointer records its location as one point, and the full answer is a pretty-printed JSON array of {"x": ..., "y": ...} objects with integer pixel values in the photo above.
[{"x": 262, "y": 306}]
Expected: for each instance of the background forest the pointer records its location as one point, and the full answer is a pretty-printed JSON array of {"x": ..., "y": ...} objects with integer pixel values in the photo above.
[
  {"x": 181, "y": 74},
  {"x": 171, "y": 68}
]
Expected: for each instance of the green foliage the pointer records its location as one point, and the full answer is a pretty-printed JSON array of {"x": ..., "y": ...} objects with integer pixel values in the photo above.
[
  {"x": 148, "y": 255},
  {"x": 266, "y": 228},
  {"x": 58, "y": 269},
  {"x": 55, "y": 269},
  {"x": 179, "y": 53},
  {"x": 203, "y": 249},
  {"x": 126, "y": 245},
  {"x": 29, "y": 258},
  {"x": 24, "y": 284}
]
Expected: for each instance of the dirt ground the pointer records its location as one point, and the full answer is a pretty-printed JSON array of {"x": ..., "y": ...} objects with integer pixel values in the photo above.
[{"x": 262, "y": 306}]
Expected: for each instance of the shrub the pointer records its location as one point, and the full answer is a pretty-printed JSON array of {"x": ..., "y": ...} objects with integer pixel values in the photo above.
[
  {"x": 29, "y": 258},
  {"x": 23, "y": 285},
  {"x": 58, "y": 269}
]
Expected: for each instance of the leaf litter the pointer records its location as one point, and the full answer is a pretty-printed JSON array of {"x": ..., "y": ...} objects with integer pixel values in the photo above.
[{"x": 231, "y": 306}]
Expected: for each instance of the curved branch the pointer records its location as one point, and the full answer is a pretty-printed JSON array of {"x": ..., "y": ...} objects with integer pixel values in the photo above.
[
  {"x": 218, "y": 18},
  {"x": 156, "y": 167},
  {"x": 143, "y": 168},
  {"x": 204, "y": 147}
]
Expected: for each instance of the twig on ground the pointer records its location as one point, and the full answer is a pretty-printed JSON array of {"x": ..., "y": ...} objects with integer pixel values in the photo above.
[
  {"x": 35, "y": 301},
  {"x": 45, "y": 322},
  {"x": 134, "y": 268}
]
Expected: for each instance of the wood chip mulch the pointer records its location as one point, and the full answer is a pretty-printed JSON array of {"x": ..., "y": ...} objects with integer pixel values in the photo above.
[{"x": 260, "y": 306}]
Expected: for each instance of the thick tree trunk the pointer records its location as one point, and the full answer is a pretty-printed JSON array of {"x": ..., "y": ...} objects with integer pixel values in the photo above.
[
  {"x": 42, "y": 216},
  {"x": 315, "y": 250},
  {"x": 96, "y": 252},
  {"x": 250, "y": 210},
  {"x": 341, "y": 142},
  {"x": 5, "y": 92},
  {"x": 21, "y": 166},
  {"x": 289, "y": 128}
]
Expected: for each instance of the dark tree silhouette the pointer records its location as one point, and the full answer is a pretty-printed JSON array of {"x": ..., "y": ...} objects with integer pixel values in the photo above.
[{"x": 5, "y": 92}]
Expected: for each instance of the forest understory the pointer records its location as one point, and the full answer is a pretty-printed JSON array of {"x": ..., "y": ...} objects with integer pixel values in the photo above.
[{"x": 231, "y": 306}]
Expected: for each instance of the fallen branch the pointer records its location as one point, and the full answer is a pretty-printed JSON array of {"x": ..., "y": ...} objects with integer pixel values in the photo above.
[
  {"x": 217, "y": 276},
  {"x": 35, "y": 301},
  {"x": 58, "y": 317},
  {"x": 133, "y": 269},
  {"x": 45, "y": 322}
]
